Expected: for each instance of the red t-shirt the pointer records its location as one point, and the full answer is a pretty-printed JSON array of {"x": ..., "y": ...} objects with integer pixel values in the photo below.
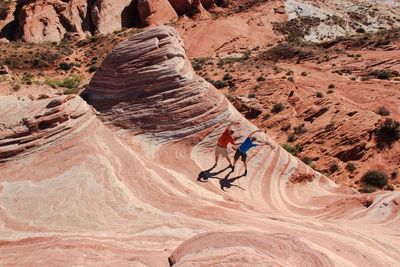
[{"x": 225, "y": 139}]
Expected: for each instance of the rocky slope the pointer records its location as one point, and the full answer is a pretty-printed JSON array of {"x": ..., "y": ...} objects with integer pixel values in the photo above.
[{"x": 128, "y": 194}]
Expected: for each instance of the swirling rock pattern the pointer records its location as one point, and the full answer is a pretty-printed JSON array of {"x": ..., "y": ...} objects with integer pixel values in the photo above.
[{"x": 96, "y": 195}]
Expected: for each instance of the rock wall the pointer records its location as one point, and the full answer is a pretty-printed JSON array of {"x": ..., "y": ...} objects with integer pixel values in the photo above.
[{"x": 49, "y": 20}]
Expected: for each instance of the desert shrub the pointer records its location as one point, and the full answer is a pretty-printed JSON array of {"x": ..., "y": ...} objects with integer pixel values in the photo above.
[
  {"x": 43, "y": 96},
  {"x": 16, "y": 87},
  {"x": 381, "y": 74},
  {"x": 360, "y": 30},
  {"x": 267, "y": 116},
  {"x": 381, "y": 42},
  {"x": 290, "y": 79},
  {"x": 291, "y": 138},
  {"x": 387, "y": 132},
  {"x": 331, "y": 86},
  {"x": 66, "y": 66},
  {"x": 219, "y": 84},
  {"x": 92, "y": 69},
  {"x": 383, "y": 111},
  {"x": 289, "y": 72},
  {"x": 294, "y": 150},
  {"x": 71, "y": 82},
  {"x": 198, "y": 63},
  {"x": 278, "y": 107},
  {"x": 304, "y": 73},
  {"x": 260, "y": 78},
  {"x": 350, "y": 166},
  {"x": 333, "y": 168},
  {"x": 307, "y": 160},
  {"x": 27, "y": 78},
  {"x": 252, "y": 95},
  {"x": 227, "y": 77},
  {"x": 330, "y": 92},
  {"x": 300, "y": 129},
  {"x": 374, "y": 178},
  {"x": 228, "y": 60},
  {"x": 319, "y": 95},
  {"x": 367, "y": 189}
]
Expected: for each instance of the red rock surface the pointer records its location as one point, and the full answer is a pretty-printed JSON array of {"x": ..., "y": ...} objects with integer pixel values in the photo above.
[{"x": 128, "y": 194}]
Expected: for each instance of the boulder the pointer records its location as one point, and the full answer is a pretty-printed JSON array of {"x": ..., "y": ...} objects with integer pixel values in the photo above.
[
  {"x": 109, "y": 16},
  {"x": 155, "y": 12},
  {"x": 249, "y": 107}
]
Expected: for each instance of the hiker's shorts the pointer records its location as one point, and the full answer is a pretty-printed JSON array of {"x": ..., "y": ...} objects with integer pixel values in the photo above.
[
  {"x": 240, "y": 154},
  {"x": 219, "y": 150}
]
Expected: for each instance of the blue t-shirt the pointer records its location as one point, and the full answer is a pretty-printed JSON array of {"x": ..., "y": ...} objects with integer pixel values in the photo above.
[{"x": 246, "y": 145}]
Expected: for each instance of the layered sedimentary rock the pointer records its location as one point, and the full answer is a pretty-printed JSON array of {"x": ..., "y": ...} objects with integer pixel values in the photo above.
[
  {"x": 30, "y": 126},
  {"x": 95, "y": 195},
  {"x": 153, "y": 88}
]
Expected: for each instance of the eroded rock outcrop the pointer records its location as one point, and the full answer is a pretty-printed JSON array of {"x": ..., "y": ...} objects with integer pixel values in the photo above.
[
  {"x": 153, "y": 12},
  {"x": 49, "y": 21},
  {"x": 81, "y": 193},
  {"x": 153, "y": 87},
  {"x": 39, "y": 125}
]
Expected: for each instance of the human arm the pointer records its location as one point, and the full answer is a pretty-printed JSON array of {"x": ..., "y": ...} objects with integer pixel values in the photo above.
[
  {"x": 253, "y": 133},
  {"x": 266, "y": 144}
]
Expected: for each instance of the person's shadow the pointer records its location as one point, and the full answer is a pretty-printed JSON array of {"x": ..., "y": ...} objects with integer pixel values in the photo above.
[
  {"x": 204, "y": 175},
  {"x": 225, "y": 182}
]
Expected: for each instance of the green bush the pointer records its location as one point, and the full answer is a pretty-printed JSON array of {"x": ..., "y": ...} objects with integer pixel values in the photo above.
[
  {"x": 227, "y": 77},
  {"x": 260, "y": 79},
  {"x": 219, "y": 84},
  {"x": 383, "y": 111},
  {"x": 66, "y": 66},
  {"x": 307, "y": 160},
  {"x": 43, "y": 96},
  {"x": 387, "y": 132},
  {"x": 278, "y": 107},
  {"x": 71, "y": 82},
  {"x": 291, "y": 138},
  {"x": 333, "y": 168},
  {"x": 294, "y": 150},
  {"x": 367, "y": 189},
  {"x": 350, "y": 166},
  {"x": 27, "y": 78},
  {"x": 300, "y": 129},
  {"x": 374, "y": 178}
]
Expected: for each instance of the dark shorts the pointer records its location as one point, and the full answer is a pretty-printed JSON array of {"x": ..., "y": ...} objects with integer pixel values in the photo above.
[{"x": 240, "y": 154}]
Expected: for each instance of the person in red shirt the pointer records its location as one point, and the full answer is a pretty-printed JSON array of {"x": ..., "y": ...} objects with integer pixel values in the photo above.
[{"x": 222, "y": 145}]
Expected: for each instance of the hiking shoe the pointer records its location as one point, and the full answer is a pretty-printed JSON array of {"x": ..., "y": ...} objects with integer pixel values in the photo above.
[{"x": 245, "y": 173}]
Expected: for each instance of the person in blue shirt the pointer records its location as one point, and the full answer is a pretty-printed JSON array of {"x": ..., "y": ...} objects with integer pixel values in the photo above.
[{"x": 247, "y": 144}]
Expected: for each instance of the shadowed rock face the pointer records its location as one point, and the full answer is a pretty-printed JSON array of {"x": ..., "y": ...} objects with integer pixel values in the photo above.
[
  {"x": 91, "y": 195},
  {"x": 153, "y": 87}
]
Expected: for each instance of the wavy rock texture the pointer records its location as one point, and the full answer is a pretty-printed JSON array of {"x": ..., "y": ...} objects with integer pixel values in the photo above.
[{"x": 138, "y": 193}]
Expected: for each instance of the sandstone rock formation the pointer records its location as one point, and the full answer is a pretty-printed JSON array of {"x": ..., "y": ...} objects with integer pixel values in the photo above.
[
  {"x": 153, "y": 12},
  {"x": 148, "y": 78},
  {"x": 109, "y": 16},
  {"x": 40, "y": 124},
  {"x": 48, "y": 21},
  {"x": 127, "y": 194}
]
